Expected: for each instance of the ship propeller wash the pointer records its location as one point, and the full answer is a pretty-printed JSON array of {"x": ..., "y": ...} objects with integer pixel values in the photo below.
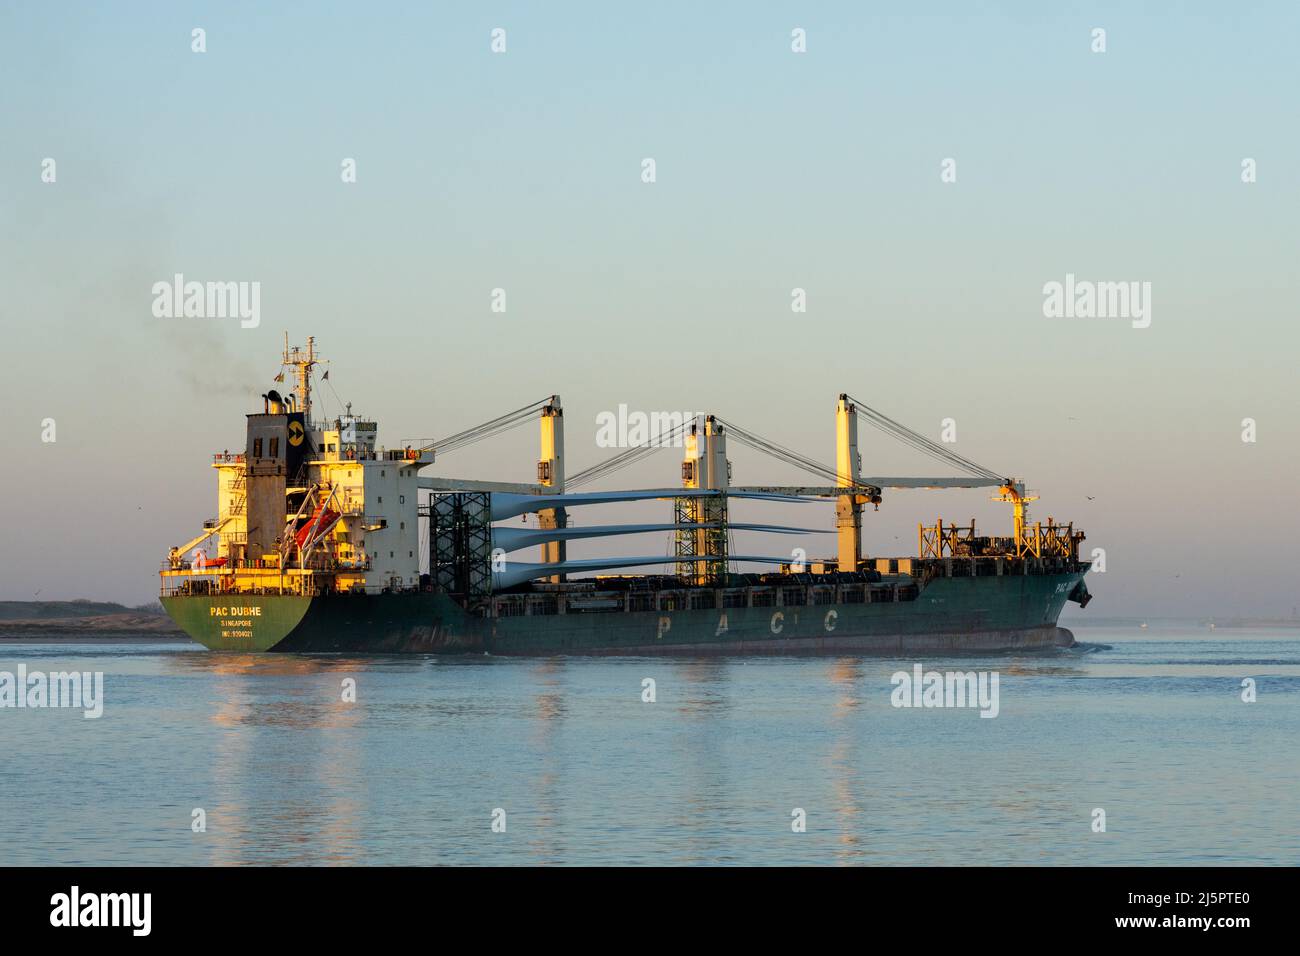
[{"x": 326, "y": 541}]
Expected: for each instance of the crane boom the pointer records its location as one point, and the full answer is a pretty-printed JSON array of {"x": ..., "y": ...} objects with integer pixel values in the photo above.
[{"x": 177, "y": 553}]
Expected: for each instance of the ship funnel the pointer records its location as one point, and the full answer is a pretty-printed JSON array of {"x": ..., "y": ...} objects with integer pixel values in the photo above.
[{"x": 276, "y": 403}]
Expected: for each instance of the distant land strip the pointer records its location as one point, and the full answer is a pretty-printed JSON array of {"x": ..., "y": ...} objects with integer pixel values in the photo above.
[{"x": 82, "y": 618}]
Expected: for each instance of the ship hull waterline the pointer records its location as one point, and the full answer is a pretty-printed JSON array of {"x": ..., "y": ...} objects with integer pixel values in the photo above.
[{"x": 951, "y": 615}]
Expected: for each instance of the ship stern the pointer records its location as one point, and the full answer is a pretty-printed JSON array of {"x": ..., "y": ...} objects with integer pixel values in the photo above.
[{"x": 245, "y": 623}]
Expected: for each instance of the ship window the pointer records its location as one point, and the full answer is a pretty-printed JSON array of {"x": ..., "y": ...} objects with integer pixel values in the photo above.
[
  {"x": 390, "y": 554},
  {"x": 401, "y": 526},
  {"x": 401, "y": 499},
  {"x": 275, "y": 448},
  {"x": 381, "y": 499},
  {"x": 381, "y": 472},
  {"x": 257, "y": 448}
]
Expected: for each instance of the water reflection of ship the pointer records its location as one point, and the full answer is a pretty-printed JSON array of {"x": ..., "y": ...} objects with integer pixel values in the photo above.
[
  {"x": 705, "y": 703},
  {"x": 551, "y": 709},
  {"x": 249, "y": 718},
  {"x": 845, "y": 676}
]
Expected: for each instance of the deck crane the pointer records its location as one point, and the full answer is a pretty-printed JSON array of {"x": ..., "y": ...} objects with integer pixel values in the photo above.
[
  {"x": 846, "y": 485},
  {"x": 496, "y": 426},
  {"x": 706, "y": 479},
  {"x": 852, "y": 490},
  {"x": 176, "y": 555}
]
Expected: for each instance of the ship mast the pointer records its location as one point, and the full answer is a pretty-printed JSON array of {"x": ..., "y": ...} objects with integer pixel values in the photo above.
[{"x": 302, "y": 362}]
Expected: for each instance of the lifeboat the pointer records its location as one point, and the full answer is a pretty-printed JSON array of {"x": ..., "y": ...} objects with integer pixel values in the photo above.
[{"x": 321, "y": 521}]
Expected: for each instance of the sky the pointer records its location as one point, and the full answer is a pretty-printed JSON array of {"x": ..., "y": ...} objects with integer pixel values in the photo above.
[{"x": 522, "y": 170}]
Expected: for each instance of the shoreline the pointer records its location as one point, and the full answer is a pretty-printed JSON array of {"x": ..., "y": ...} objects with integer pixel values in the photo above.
[{"x": 72, "y": 638}]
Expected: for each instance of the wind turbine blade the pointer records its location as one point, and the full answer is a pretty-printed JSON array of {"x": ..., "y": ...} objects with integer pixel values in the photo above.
[
  {"x": 510, "y": 505},
  {"x": 513, "y": 539},
  {"x": 519, "y": 572}
]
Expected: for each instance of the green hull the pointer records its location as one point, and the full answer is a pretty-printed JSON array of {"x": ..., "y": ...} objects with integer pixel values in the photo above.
[
  {"x": 957, "y": 614},
  {"x": 255, "y": 622}
]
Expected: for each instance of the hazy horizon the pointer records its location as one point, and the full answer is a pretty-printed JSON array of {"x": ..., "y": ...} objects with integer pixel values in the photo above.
[{"x": 775, "y": 171}]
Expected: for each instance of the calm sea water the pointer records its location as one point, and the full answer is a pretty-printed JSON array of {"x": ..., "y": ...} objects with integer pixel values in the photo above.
[{"x": 1148, "y": 725}]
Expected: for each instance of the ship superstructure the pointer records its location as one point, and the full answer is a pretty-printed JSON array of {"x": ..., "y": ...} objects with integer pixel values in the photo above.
[
  {"x": 296, "y": 506},
  {"x": 326, "y": 540}
]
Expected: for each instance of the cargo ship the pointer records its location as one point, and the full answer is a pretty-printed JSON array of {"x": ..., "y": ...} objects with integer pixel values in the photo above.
[{"x": 326, "y": 541}]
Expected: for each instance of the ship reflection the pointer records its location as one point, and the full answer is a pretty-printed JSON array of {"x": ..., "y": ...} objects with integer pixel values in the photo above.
[
  {"x": 703, "y": 690},
  {"x": 551, "y": 704},
  {"x": 845, "y": 676},
  {"x": 279, "y": 798},
  {"x": 707, "y": 686},
  {"x": 270, "y": 665},
  {"x": 292, "y": 778},
  {"x": 550, "y": 709}
]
